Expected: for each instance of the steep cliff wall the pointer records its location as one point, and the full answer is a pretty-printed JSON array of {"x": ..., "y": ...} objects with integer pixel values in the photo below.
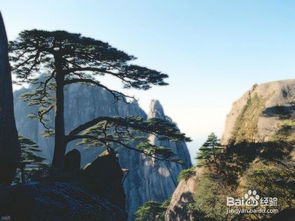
[
  {"x": 9, "y": 146},
  {"x": 146, "y": 179},
  {"x": 164, "y": 169},
  {"x": 181, "y": 198}
]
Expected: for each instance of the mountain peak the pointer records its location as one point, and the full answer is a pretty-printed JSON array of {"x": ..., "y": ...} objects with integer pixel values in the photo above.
[
  {"x": 156, "y": 110},
  {"x": 262, "y": 114},
  {"x": 3, "y": 37}
]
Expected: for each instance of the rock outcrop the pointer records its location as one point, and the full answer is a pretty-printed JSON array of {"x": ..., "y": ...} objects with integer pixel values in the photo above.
[
  {"x": 104, "y": 177},
  {"x": 56, "y": 201},
  {"x": 146, "y": 180},
  {"x": 161, "y": 190},
  {"x": 72, "y": 161},
  {"x": 180, "y": 148},
  {"x": 9, "y": 146},
  {"x": 264, "y": 113},
  {"x": 182, "y": 196}
]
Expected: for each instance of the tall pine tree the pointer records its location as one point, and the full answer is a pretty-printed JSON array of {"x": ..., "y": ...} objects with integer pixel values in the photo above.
[{"x": 69, "y": 58}]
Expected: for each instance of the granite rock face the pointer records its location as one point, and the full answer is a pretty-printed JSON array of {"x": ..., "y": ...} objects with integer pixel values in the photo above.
[
  {"x": 82, "y": 104},
  {"x": 183, "y": 194},
  {"x": 165, "y": 170},
  {"x": 9, "y": 146},
  {"x": 146, "y": 179},
  {"x": 264, "y": 113}
]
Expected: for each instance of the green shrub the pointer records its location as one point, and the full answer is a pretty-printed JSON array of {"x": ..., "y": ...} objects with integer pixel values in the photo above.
[
  {"x": 271, "y": 176},
  {"x": 31, "y": 166},
  {"x": 271, "y": 180},
  {"x": 152, "y": 211},
  {"x": 210, "y": 198},
  {"x": 186, "y": 174},
  {"x": 245, "y": 128}
]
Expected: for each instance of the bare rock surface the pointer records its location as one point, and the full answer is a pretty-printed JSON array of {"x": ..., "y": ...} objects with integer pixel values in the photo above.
[
  {"x": 261, "y": 113},
  {"x": 182, "y": 197}
]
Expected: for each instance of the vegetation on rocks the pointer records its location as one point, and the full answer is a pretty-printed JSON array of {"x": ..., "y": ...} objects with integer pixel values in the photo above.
[
  {"x": 264, "y": 167},
  {"x": 245, "y": 128},
  {"x": 285, "y": 131},
  {"x": 152, "y": 211},
  {"x": 210, "y": 197},
  {"x": 271, "y": 180},
  {"x": 186, "y": 174}
]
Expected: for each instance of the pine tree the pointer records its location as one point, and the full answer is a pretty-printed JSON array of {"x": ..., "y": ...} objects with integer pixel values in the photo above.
[
  {"x": 30, "y": 162},
  {"x": 69, "y": 58},
  {"x": 152, "y": 211},
  {"x": 207, "y": 152}
]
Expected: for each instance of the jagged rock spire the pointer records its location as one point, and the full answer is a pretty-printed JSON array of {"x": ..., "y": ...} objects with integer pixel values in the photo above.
[
  {"x": 3, "y": 36},
  {"x": 9, "y": 146},
  {"x": 156, "y": 110}
]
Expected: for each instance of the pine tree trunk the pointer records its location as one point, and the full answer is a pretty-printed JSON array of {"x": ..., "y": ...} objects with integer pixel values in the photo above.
[
  {"x": 60, "y": 144},
  {"x": 23, "y": 175},
  {"x": 9, "y": 145}
]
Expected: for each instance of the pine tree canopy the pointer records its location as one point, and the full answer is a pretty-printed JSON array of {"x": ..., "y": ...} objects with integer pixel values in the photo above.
[
  {"x": 208, "y": 149},
  {"x": 80, "y": 58},
  {"x": 66, "y": 58}
]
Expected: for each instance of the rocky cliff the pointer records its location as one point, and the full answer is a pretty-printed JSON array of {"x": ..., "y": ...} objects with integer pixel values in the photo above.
[
  {"x": 181, "y": 198},
  {"x": 258, "y": 154},
  {"x": 264, "y": 113},
  {"x": 146, "y": 179},
  {"x": 9, "y": 146}
]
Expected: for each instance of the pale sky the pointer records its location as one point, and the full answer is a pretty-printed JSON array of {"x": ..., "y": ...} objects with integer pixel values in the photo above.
[{"x": 213, "y": 50}]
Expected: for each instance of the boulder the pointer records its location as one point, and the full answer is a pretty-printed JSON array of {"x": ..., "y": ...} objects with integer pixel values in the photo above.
[
  {"x": 104, "y": 177},
  {"x": 72, "y": 161}
]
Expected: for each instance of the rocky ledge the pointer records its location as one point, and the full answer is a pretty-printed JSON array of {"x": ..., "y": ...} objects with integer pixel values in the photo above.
[{"x": 56, "y": 201}]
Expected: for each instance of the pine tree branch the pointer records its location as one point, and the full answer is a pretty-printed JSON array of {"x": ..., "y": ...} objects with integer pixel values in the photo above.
[
  {"x": 121, "y": 76},
  {"x": 42, "y": 113},
  {"x": 106, "y": 140}
]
